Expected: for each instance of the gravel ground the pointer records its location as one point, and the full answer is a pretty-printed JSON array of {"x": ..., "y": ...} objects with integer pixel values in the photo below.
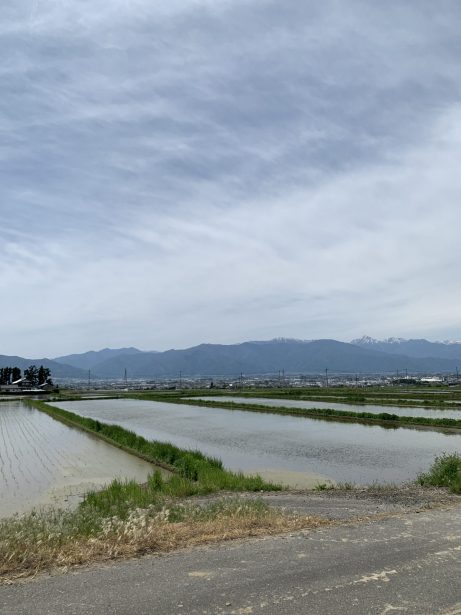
[{"x": 343, "y": 504}]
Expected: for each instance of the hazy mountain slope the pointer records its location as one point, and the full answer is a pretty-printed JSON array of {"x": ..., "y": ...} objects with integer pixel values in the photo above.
[
  {"x": 418, "y": 348},
  {"x": 58, "y": 370},
  {"x": 87, "y": 360},
  {"x": 270, "y": 357},
  {"x": 265, "y": 357}
]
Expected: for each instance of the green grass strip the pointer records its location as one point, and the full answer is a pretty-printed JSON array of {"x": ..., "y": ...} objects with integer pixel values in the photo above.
[
  {"x": 346, "y": 397},
  {"x": 383, "y": 418}
]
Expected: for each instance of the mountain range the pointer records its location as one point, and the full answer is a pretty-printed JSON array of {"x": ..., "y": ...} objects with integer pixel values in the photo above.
[
  {"x": 365, "y": 355},
  {"x": 418, "y": 348}
]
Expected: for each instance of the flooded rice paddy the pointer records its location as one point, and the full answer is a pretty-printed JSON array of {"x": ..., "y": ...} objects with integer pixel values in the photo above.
[
  {"x": 374, "y": 409},
  {"x": 280, "y": 446},
  {"x": 45, "y": 462}
]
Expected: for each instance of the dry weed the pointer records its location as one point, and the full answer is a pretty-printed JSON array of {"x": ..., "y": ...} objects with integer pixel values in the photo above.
[{"x": 144, "y": 533}]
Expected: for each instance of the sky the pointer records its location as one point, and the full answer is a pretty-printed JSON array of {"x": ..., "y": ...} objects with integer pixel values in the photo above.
[{"x": 186, "y": 171}]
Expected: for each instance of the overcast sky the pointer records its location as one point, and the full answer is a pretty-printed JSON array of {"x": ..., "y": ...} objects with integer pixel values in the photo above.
[{"x": 186, "y": 171}]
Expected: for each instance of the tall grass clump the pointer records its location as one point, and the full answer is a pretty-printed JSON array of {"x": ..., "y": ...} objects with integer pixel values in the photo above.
[
  {"x": 120, "y": 497},
  {"x": 444, "y": 472}
]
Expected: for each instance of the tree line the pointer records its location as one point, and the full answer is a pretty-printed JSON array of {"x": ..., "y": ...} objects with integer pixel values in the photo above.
[{"x": 33, "y": 375}]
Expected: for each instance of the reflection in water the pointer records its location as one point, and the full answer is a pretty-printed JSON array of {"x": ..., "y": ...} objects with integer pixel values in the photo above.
[
  {"x": 44, "y": 462},
  {"x": 303, "y": 403},
  {"x": 251, "y": 441}
]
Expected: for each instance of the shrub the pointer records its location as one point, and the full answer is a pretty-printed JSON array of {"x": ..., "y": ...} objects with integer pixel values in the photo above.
[{"x": 444, "y": 472}]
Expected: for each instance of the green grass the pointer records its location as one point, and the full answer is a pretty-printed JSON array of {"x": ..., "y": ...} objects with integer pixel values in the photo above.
[
  {"x": 322, "y": 487},
  {"x": 120, "y": 497},
  {"x": 444, "y": 472}
]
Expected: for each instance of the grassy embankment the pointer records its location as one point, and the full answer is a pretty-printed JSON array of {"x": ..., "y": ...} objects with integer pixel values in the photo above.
[
  {"x": 126, "y": 518},
  {"x": 383, "y": 418},
  {"x": 413, "y": 397}
]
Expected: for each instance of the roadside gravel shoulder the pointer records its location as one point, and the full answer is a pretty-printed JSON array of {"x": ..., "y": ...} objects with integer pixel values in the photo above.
[{"x": 344, "y": 504}]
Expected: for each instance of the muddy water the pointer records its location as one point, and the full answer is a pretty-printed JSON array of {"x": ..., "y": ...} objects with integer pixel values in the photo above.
[
  {"x": 298, "y": 447},
  {"x": 301, "y": 403},
  {"x": 45, "y": 462}
]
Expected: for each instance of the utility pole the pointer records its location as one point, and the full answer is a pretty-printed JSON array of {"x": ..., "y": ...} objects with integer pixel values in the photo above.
[
  {"x": 126, "y": 379},
  {"x": 89, "y": 378},
  {"x": 326, "y": 376},
  {"x": 180, "y": 379}
]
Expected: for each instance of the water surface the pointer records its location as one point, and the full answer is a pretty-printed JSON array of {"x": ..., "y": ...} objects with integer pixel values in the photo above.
[
  {"x": 255, "y": 442},
  {"x": 42, "y": 461}
]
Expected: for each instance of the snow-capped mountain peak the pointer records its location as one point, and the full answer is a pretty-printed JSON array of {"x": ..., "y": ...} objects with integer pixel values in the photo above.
[{"x": 365, "y": 340}]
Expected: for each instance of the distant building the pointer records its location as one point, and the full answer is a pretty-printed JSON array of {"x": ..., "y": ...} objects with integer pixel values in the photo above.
[{"x": 24, "y": 386}]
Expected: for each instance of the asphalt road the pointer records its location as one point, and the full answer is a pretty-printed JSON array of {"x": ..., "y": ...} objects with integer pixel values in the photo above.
[{"x": 408, "y": 563}]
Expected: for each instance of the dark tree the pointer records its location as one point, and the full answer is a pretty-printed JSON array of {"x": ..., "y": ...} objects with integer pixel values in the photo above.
[
  {"x": 31, "y": 375},
  {"x": 43, "y": 375},
  {"x": 9, "y": 375},
  {"x": 5, "y": 375}
]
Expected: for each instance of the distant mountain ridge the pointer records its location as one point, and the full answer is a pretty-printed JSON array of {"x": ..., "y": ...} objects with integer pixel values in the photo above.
[
  {"x": 58, "y": 370},
  {"x": 417, "y": 348},
  {"x": 261, "y": 357},
  {"x": 87, "y": 360},
  {"x": 365, "y": 355}
]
